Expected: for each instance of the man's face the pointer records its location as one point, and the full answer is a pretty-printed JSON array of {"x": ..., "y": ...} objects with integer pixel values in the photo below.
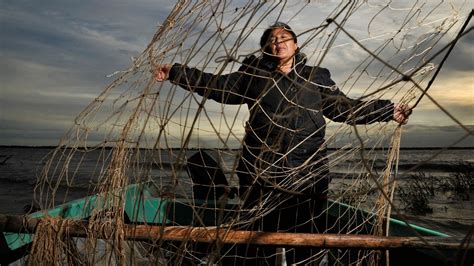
[{"x": 282, "y": 44}]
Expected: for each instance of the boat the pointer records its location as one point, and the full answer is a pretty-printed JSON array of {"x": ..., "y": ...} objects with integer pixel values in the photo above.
[{"x": 144, "y": 207}]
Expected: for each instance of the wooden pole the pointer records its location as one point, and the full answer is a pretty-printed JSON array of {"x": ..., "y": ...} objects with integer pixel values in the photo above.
[{"x": 22, "y": 224}]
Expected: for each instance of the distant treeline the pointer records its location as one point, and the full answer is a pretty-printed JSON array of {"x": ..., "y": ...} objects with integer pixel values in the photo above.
[{"x": 235, "y": 149}]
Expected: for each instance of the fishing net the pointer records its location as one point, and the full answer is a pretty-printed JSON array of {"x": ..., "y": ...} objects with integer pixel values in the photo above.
[{"x": 149, "y": 154}]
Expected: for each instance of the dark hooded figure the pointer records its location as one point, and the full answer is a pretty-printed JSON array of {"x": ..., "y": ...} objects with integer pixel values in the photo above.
[{"x": 283, "y": 157}]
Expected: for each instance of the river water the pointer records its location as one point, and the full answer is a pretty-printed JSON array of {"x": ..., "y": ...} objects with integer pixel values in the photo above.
[{"x": 451, "y": 212}]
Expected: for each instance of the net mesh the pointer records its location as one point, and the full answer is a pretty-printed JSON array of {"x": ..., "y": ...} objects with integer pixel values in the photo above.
[{"x": 184, "y": 149}]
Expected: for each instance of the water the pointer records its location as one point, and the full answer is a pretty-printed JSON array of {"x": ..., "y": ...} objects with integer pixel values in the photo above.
[{"x": 19, "y": 173}]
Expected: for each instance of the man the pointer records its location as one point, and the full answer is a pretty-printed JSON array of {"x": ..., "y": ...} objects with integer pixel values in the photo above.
[{"x": 283, "y": 160}]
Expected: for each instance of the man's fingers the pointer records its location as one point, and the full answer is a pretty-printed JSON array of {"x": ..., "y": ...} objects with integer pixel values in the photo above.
[
  {"x": 162, "y": 72},
  {"x": 401, "y": 113},
  {"x": 159, "y": 74}
]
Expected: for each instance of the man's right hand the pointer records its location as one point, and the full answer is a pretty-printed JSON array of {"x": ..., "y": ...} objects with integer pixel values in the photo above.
[{"x": 162, "y": 72}]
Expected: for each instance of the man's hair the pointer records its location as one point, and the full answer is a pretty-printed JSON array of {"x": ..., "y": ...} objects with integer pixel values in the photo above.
[{"x": 266, "y": 35}]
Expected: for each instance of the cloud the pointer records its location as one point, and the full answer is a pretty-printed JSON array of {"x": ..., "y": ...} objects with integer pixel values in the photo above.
[
  {"x": 463, "y": 49},
  {"x": 436, "y": 136},
  {"x": 54, "y": 61},
  {"x": 55, "y": 56}
]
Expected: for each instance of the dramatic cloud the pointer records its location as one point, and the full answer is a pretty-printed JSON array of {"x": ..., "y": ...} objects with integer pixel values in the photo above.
[{"x": 56, "y": 56}]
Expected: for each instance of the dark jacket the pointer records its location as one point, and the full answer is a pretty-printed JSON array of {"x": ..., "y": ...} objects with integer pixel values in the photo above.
[
  {"x": 287, "y": 111},
  {"x": 285, "y": 108}
]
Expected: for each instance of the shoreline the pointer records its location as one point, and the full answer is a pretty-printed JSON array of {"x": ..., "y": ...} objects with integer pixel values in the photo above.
[{"x": 231, "y": 149}]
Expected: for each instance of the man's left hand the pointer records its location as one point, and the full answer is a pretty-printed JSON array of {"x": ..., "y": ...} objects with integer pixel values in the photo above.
[{"x": 401, "y": 112}]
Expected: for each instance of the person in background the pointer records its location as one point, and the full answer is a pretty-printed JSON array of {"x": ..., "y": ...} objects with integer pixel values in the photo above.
[{"x": 283, "y": 154}]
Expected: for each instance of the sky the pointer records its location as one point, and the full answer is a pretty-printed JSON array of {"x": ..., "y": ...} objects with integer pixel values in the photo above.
[{"x": 57, "y": 55}]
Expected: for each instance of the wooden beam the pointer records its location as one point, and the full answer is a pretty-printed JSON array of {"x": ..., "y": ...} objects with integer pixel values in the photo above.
[{"x": 22, "y": 224}]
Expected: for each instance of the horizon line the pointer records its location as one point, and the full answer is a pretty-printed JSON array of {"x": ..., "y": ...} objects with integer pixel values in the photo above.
[{"x": 212, "y": 148}]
